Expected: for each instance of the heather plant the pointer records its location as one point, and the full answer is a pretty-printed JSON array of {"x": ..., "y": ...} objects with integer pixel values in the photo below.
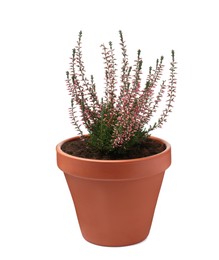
[{"x": 122, "y": 117}]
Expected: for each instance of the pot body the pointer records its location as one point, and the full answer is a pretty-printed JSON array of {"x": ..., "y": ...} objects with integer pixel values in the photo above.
[{"x": 114, "y": 200}]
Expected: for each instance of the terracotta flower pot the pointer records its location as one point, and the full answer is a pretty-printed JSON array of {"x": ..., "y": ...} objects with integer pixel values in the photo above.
[{"x": 114, "y": 200}]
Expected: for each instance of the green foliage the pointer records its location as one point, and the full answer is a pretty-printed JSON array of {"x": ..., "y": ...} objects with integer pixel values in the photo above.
[{"x": 101, "y": 134}]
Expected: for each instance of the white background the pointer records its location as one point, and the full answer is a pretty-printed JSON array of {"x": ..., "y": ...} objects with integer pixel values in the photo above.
[{"x": 37, "y": 218}]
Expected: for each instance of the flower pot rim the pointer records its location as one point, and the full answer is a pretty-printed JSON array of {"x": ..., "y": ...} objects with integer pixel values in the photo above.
[
  {"x": 59, "y": 150},
  {"x": 115, "y": 170}
]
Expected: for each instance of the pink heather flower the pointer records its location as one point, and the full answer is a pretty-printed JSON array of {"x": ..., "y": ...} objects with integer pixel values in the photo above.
[{"x": 126, "y": 111}]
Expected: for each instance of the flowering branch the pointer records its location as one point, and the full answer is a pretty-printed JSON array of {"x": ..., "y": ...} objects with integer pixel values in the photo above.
[
  {"x": 72, "y": 112},
  {"x": 110, "y": 74},
  {"x": 171, "y": 94},
  {"x": 125, "y": 69}
]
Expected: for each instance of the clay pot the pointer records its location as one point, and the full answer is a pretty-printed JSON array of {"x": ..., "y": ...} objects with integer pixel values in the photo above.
[{"x": 114, "y": 200}]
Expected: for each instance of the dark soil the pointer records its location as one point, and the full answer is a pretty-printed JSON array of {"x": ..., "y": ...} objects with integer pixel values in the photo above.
[{"x": 81, "y": 148}]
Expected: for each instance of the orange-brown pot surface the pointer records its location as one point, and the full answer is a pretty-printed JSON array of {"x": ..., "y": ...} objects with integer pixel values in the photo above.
[{"x": 114, "y": 200}]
